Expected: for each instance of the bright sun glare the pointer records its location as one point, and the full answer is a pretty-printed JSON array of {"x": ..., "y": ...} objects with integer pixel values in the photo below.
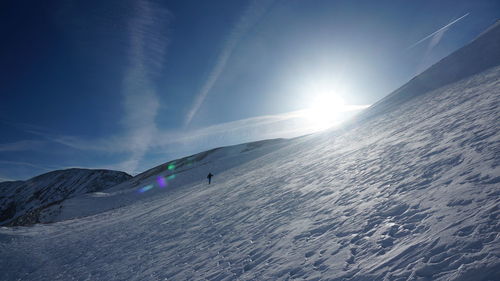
[{"x": 325, "y": 111}]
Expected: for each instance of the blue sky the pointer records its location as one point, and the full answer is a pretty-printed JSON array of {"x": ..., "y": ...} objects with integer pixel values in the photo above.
[{"x": 131, "y": 84}]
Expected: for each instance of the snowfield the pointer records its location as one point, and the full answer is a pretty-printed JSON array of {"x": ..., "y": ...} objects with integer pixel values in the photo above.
[{"x": 411, "y": 194}]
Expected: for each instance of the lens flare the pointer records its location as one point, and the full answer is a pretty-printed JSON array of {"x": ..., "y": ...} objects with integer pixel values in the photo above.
[
  {"x": 171, "y": 177},
  {"x": 171, "y": 167},
  {"x": 161, "y": 181},
  {"x": 145, "y": 188}
]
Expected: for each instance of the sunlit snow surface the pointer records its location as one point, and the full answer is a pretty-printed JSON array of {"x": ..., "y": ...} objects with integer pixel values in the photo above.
[{"x": 410, "y": 195}]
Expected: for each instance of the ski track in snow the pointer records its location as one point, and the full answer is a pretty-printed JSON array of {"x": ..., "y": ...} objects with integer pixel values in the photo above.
[{"x": 410, "y": 195}]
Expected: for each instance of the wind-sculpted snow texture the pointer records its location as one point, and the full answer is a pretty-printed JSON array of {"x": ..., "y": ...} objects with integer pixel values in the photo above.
[
  {"x": 26, "y": 202},
  {"x": 178, "y": 173},
  {"x": 412, "y": 194}
]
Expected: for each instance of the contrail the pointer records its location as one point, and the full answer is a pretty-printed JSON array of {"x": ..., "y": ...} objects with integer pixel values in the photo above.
[
  {"x": 148, "y": 42},
  {"x": 250, "y": 17},
  {"x": 437, "y": 31}
]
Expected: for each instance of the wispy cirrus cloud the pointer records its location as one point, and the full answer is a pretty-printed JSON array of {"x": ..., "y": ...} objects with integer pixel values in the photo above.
[
  {"x": 28, "y": 164},
  {"x": 285, "y": 125},
  {"x": 148, "y": 41},
  {"x": 177, "y": 143},
  {"x": 21, "y": 145},
  {"x": 147, "y": 32},
  {"x": 249, "y": 18},
  {"x": 260, "y": 127}
]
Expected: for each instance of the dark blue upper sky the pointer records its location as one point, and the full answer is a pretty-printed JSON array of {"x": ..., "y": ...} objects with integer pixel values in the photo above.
[{"x": 130, "y": 84}]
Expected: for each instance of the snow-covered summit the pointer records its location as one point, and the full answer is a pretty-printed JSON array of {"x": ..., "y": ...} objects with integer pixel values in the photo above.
[
  {"x": 164, "y": 179},
  {"x": 22, "y": 201},
  {"x": 408, "y": 194},
  {"x": 478, "y": 56}
]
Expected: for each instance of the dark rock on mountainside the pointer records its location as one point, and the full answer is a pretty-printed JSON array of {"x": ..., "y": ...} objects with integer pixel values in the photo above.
[{"x": 22, "y": 201}]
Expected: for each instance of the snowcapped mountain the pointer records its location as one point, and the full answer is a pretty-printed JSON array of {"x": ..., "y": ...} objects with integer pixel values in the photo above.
[
  {"x": 479, "y": 55},
  {"x": 411, "y": 193},
  {"x": 26, "y": 202},
  {"x": 164, "y": 178}
]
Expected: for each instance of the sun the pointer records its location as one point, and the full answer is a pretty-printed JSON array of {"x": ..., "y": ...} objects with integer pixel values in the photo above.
[{"x": 325, "y": 111}]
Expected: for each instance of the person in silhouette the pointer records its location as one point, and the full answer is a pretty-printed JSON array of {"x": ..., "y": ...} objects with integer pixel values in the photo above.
[{"x": 209, "y": 177}]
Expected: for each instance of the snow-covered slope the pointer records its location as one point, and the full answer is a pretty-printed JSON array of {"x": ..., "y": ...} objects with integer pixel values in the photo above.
[
  {"x": 164, "y": 178},
  {"x": 412, "y": 194},
  {"x": 479, "y": 55},
  {"x": 26, "y": 202}
]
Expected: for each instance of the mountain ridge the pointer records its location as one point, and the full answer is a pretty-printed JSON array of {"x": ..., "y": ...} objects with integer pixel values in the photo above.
[
  {"x": 23, "y": 201},
  {"x": 477, "y": 56},
  {"x": 407, "y": 194}
]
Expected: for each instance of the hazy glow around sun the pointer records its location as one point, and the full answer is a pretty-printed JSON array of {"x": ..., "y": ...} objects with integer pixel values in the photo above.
[
  {"x": 325, "y": 111},
  {"x": 323, "y": 100}
]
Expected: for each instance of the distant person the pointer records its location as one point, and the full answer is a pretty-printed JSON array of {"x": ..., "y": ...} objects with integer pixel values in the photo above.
[{"x": 209, "y": 177}]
